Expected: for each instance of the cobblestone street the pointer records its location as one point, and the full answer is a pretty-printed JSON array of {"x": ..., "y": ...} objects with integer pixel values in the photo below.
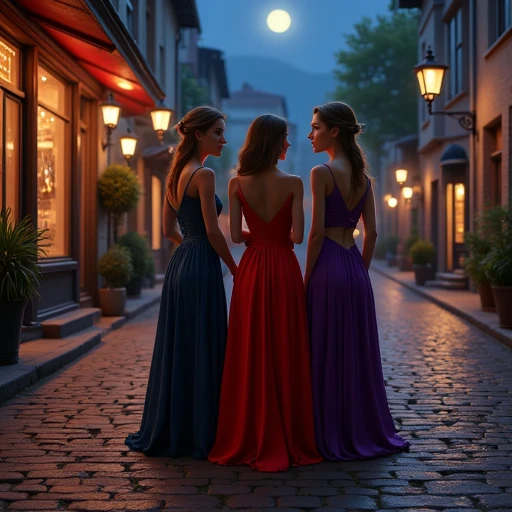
[{"x": 448, "y": 384}]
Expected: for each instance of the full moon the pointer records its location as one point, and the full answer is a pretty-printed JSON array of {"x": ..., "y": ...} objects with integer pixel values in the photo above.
[{"x": 279, "y": 21}]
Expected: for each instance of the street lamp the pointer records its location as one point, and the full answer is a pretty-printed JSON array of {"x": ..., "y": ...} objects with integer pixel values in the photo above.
[
  {"x": 161, "y": 116},
  {"x": 430, "y": 76},
  {"x": 128, "y": 145},
  {"x": 110, "y": 110},
  {"x": 392, "y": 202},
  {"x": 401, "y": 176},
  {"x": 407, "y": 193}
]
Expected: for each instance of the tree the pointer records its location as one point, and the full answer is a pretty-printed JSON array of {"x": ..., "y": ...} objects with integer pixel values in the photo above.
[
  {"x": 192, "y": 94},
  {"x": 375, "y": 76}
]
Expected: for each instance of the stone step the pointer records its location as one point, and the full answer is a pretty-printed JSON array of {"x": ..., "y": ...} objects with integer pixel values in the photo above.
[
  {"x": 451, "y": 276},
  {"x": 70, "y": 323},
  {"x": 447, "y": 284}
]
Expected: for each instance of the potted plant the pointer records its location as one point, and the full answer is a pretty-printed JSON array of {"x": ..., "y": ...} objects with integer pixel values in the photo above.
[
  {"x": 139, "y": 250},
  {"x": 498, "y": 268},
  {"x": 119, "y": 192},
  {"x": 391, "y": 244},
  {"x": 405, "y": 260},
  {"x": 422, "y": 255},
  {"x": 20, "y": 251},
  {"x": 149, "y": 274},
  {"x": 116, "y": 268}
]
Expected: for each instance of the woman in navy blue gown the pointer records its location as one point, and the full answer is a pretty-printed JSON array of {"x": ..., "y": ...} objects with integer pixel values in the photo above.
[{"x": 182, "y": 397}]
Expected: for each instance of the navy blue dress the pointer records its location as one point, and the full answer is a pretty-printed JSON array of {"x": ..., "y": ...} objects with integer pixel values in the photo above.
[{"x": 182, "y": 397}]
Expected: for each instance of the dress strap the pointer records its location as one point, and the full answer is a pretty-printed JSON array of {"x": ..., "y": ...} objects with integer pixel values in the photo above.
[{"x": 190, "y": 179}]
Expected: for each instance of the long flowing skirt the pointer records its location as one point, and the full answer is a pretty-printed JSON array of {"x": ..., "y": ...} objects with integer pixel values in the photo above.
[
  {"x": 352, "y": 417},
  {"x": 182, "y": 397},
  {"x": 266, "y": 411}
]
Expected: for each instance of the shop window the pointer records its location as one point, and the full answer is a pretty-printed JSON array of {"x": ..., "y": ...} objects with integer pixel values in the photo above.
[
  {"x": 460, "y": 193},
  {"x": 156, "y": 213},
  {"x": 53, "y": 164}
]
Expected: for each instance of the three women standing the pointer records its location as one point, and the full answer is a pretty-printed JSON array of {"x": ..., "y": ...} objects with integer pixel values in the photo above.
[{"x": 182, "y": 397}]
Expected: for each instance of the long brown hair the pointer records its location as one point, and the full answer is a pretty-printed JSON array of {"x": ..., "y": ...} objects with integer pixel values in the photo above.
[
  {"x": 200, "y": 118},
  {"x": 263, "y": 144},
  {"x": 340, "y": 115}
]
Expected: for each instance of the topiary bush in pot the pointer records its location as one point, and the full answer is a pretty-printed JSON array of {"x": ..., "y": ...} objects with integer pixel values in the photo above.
[
  {"x": 119, "y": 192},
  {"x": 423, "y": 255},
  {"x": 139, "y": 251},
  {"x": 116, "y": 268}
]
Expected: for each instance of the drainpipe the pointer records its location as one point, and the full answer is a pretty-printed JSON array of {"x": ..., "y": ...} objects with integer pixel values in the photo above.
[{"x": 473, "y": 96}]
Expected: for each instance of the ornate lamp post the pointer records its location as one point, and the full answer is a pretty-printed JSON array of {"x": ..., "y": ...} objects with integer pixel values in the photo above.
[
  {"x": 161, "y": 116},
  {"x": 110, "y": 110},
  {"x": 128, "y": 145}
]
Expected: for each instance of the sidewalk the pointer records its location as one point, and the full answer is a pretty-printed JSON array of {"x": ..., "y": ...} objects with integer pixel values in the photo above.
[
  {"x": 462, "y": 303},
  {"x": 42, "y": 357}
]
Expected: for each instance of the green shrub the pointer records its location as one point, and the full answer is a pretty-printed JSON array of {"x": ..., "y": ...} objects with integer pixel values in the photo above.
[
  {"x": 115, "y": 266},
  {"x": 119, "y": 190},
  {"x": 139, "y": 251},
  {"x": 150, "y": 266},
  {"x": 422, "y": 253},
  {"x": 20, "y": 251},
  {"x": 385, "y": 246}
]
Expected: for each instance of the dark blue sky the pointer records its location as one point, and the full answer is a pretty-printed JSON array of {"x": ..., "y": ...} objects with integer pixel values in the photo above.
[{"x": 238, "y": 27}]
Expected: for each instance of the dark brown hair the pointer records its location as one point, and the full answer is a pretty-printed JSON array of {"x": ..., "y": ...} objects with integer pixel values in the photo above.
[
  {"x": 336, "y": 114},
  {"x": 200, "y": 118},
  {"x": 263, "y": 144}
]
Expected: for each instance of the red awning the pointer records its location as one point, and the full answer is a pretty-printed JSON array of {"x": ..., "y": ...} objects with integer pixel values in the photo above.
[{"x": 92, "y": 32}]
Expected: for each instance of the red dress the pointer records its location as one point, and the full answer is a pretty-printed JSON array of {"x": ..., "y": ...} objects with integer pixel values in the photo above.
[{"x": 266, "y": 406}]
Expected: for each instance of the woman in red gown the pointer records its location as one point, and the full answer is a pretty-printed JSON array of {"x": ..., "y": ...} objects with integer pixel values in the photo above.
[{"x": 266, "y": 408}]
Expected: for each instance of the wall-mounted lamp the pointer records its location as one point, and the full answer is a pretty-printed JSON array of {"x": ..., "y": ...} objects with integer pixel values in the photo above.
[
  {"x": 401, "y": 176},
  {"x": 161, "y": 117},
  {"x": 407, "y": 192},
  {"x": 430, "y": 76},
  {"x": 392, "y": 202},
  {"x": 387, "y": 197},
  {"x": 110, "y": 110},
  {"x": 128, "y": 145}
]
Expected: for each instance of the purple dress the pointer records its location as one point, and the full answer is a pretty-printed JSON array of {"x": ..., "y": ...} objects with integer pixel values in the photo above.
[{"x": 352, "y": 417}]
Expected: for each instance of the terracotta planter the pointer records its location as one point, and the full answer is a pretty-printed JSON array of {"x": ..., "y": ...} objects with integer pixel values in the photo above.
[
  {"x": 486, "y": 297},
  {"x": 503, "y": 301},
  {"x": 112, "y": 301},
  {"x": 423, "y": 273},
  {"x": 11, "y": 318}
]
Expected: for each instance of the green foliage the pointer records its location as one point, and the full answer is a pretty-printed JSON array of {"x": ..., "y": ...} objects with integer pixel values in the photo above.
[
  {"x": 498, "y": 262},
  {"x": 488, "y": 228},
  {"x": 422, "y": 253},
  {"x": 119, "y": 189},
  {"x": 20, "y": 250},
  {"x": 150, "y": 266},
  {"x": 409, "y": 242},
  {"x": 385, "y": 246},
  {"x": 192, "y": 94},
  {"x": 139, "y": 251},
  {"x": 375, "y": 75},
  {"x": 115, "y": 266}
]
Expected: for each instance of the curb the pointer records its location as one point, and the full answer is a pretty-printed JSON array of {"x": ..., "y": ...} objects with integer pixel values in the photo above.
[{"x": 487, "y": 329}]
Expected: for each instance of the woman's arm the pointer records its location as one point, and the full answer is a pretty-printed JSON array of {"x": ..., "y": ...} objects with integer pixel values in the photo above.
[
  {"x": 316, "y": 234},
  {"x": 206, "y": 187},
  {"x": 238, "y": 235},
  {"x": 297, "y": 210},
  {"x": 170, "y": 224},
  {"x": 370, "y": 228}
]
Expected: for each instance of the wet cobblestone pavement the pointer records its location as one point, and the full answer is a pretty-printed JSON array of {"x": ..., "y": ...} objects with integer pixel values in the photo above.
[{"x": 449, "y": 388}]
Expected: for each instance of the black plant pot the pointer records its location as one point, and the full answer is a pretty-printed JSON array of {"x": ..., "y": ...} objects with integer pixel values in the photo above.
[
  {"x": 134, "y": 286},
  {"x": 423, "y": 273},
  {"x": 11, "y": 318}
]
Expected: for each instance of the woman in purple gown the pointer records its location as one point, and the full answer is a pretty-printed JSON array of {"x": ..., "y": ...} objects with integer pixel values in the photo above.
[{"x": 352, "y": 417}]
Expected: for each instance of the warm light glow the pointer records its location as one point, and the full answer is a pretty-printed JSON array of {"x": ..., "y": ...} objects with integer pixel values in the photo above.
[
  {"x": 459, "y": 192},
  {"x": 44, "y": 78},
  {"x": 407, "y": 192},
  {"x": 392, "y": 202},
  {"x": 279, "y": 21},
  {"x": 110, "y": 110},
  {"x": 401, "y": 176},
  {"x": 356, "y": 233},
  {"x": 430, "y": 76},
  {"x": 387, "y": 197},
  {"x": 161, "y": 117},
  {"x": 124, "y": 84},
  {"x": 128, "y": 145}
]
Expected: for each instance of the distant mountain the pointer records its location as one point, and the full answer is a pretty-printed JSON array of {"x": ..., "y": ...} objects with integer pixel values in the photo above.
[{"x": 301, "y": 89}]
